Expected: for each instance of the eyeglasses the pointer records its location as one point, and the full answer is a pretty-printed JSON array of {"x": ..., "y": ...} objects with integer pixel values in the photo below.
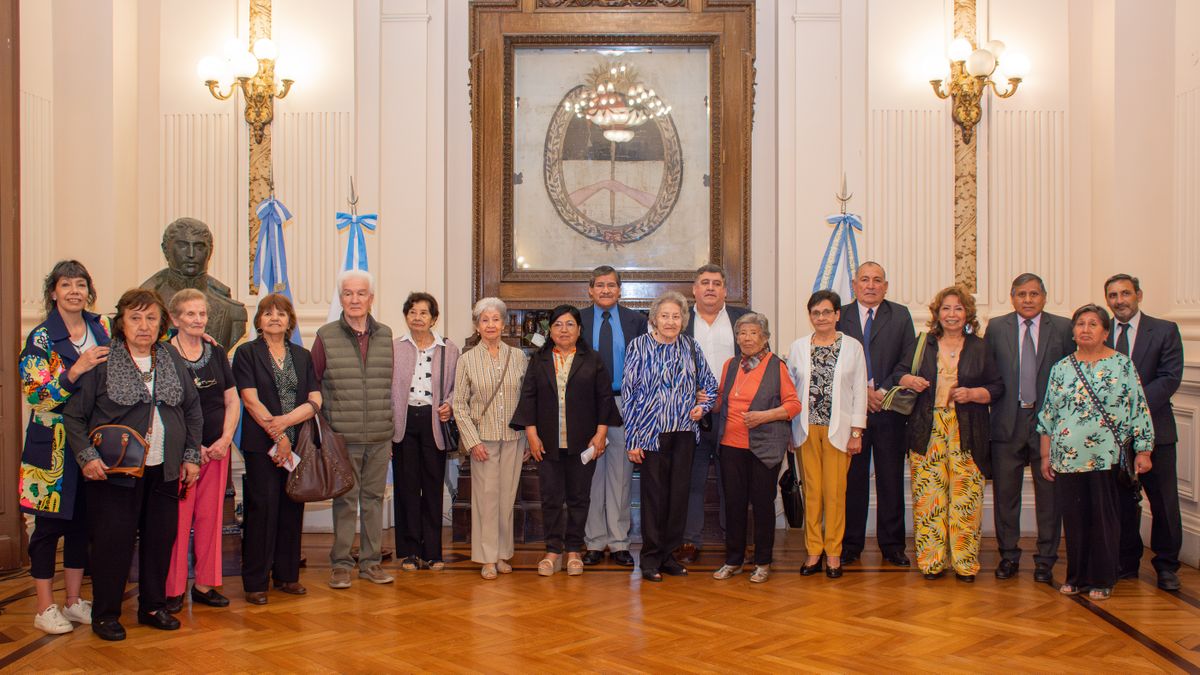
[
  {"x": 822, "y": 313},
  {"x": 561, "y": 325}
]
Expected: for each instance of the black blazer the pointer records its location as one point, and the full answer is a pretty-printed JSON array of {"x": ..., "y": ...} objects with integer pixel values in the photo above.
[
  {"x": 892, "y": 336},
  {"x": 590, "y": 400},
  {"x": 252, "y": 369},
  {"x": 1158, "y": 357},
  {"x": 734, "y": 313},
  {"x": 1003, "y": 337},
  {"x": 633, "y": 324},
  {"x": 975, "y": 369}
]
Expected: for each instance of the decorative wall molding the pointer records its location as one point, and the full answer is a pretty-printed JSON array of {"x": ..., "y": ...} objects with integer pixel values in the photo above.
[
  {"x": 1028, "y": 225},
  {"x": 403, "y": 17},
  {"x": 1186, "y": 223},
  {"x": 199, "y": 179},
  {"x": 910, "y": 201},
  {"x": 37, "y": 199}
]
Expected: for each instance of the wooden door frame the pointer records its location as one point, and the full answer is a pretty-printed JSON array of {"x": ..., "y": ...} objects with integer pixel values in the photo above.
[{"x": 12, "y": 550}]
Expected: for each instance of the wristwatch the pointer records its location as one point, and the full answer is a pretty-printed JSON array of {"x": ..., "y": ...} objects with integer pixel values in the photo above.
[{"x": 855, "y": 434}]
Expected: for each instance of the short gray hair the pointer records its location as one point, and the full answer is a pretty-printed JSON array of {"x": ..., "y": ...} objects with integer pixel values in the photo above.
[
  {"x": 346, "y": 275},
  {"x": 486, "y": 304},
  {"x": 870, "y": 263},
  {"x": 756, "y": 319},
  {"x": 1025, "y": 278},
  {"x": 672, "y": 297}
]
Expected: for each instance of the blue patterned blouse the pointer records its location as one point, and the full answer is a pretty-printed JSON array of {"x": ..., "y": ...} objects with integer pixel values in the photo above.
[
  {"x": 1079, "y": 441},
  {"x": 660, "y": 386}
]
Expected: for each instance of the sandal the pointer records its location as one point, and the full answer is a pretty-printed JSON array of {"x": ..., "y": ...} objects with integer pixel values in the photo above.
[
  {"x": 437, "y": 565},
  {"x": 488, "y": 572},
  {"x": 548, "y": 566},
  {"x": 574, "y": 565},
  {"x": 1068, "y": 589},
  {"x": 1099, "y": 594},
  {"x": 410, "y": 564},
  {"x": 503, "y": 567}
]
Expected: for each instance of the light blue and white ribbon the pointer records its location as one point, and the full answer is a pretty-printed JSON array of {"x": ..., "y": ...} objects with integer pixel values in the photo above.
[
  {"x": 270, "y": 264},
  {"x": 841, "y": 256},
  {"x": 356, "y": 245}
]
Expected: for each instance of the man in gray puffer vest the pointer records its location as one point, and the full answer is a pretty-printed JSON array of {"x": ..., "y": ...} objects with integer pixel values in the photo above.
[{"x": 353, "y": 361}]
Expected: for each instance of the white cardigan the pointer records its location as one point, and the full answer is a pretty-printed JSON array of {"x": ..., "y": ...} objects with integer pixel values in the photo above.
[{"x": 849, "y": 407}]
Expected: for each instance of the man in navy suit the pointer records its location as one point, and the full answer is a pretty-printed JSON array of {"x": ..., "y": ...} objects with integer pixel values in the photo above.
[
  {"x": 711, "y": 324},
  {"x": 885, "y": 329},
  {"x": 1024, "y": 344},
  {"x": 1157, "y": 352},
  {"x": 608, "y": 329}
]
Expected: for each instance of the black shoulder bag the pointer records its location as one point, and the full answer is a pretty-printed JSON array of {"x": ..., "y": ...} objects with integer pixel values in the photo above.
[
  {"x": 450, "y": 435},
  {"x": 1126, "y": 471}
]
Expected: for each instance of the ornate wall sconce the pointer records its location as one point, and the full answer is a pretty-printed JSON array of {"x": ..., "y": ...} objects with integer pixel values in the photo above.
[
  {"x": 972, "y": 71},
  {"x": 254, "y": 73}
]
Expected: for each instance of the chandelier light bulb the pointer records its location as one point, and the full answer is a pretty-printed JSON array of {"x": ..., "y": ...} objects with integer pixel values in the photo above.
[
  {"x": 1016, "y": 65},
  {"x": 245, "y": 65},
  {"x": 981, "y": 63},
  {"x": 264, "y": 49},
  {"x": 959, "y": 50},
  {"x": 996, "y": 47},
  {"x": 209, "y": 69},
  {"x": 618, "y": 135}
]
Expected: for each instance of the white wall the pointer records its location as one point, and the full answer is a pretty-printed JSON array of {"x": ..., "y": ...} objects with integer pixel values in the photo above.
[{"x": 1093, "y": 167}]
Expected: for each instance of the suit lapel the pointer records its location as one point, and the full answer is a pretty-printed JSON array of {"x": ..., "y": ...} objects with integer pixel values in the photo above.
[
  {"x": 853, "y": 327},
  {"x": 882, "y": 315},
  {"x": 1142, "y": 341},
  {"x": 1044, "y": 332}
]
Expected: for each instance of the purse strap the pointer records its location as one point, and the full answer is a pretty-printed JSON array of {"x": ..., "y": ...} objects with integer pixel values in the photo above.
[
  {"x": 920, "y": 353},
  {"x": 1104, "y": 418},
  {"x": 499, "y": 385},
  {"x": 442, "y": 374}
]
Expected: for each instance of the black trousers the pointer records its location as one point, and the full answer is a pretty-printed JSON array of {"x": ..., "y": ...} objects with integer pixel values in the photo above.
[
  {"x": 748, "y": 482},
  {"x": 1088, "y": 502},
  {"x": 666, "y": 475},
  {"x": 565, "y": 482},
  {"x": 118, "y": 517},
  {"x": 271, "y": 526},
  {"x": 1161, "y": 484},
  {"x": 43, "y": 543},
  {"x": 418, "y": 469},
  {"x": 884, "y": 441},
  {"x": 1009, "y": 460}
]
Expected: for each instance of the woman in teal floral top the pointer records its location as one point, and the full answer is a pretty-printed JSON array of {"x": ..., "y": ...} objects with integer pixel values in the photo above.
[{"x": 1081, "y": 454}]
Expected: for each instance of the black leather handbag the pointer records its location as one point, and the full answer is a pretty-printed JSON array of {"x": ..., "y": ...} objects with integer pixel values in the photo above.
[
  {"x": 901, "y": 399},
  {"x": 791, "y": 491},
  {"x": 451, "y": 439}
]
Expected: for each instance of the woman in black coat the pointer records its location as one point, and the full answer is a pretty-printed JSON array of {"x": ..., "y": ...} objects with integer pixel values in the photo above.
[
  {"x": 279, "y": 390},
  {"x": 948, "y": 434},
  {"x": 566, "y": 408}
]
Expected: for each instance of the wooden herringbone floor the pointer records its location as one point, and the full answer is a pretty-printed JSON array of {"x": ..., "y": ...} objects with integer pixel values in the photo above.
[{"x": 876, "y": 618}]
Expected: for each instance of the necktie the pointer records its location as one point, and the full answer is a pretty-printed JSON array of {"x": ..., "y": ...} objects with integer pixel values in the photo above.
[
  {"x": 605, "y": 347},
  {"x": 867, "y": 342},
  {"x": 1123, "y": 340},
  {"x": 1028, "y": 382}
]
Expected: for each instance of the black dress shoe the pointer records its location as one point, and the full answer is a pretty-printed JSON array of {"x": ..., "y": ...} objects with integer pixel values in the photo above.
[
  {"x": 1168, "y": 580},
  {"x": 160, "y": 620},
  {"x": 809, "y": 570},
  {"x": 593, "y": 557},
  {"x": 110, "y": 630},
  {"x": 850, "y": 558},
  {"x": 933, "y": 576},
  {"x": 210, "y": 597},
  {"x": 174, "y": 604},
  {"x": 673, "y": 568},
  {"x": 897, "y": 559},
  {"x": 833, "y": 572},
  {"x": 1042, "y": 574},
  {"x": 965, "y": 578},
  {"x": 650, "y": 575},
  {"x": 1007, "y": 569},
  {"x": 622, "y": 558}
]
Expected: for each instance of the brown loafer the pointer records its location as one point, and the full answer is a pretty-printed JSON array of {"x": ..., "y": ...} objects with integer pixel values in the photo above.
[
  {"x": 256, "y": 597},
  {"x": 687, "y": 554},
  {"x": 291, "y": 588}
]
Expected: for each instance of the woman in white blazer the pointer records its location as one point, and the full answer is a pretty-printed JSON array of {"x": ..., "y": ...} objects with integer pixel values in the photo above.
[{"x": 830, "y": 373}]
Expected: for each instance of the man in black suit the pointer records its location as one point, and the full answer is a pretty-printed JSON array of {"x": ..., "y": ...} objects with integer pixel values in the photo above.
[
  {"x": 885, "y": 330},
  {"x": 1025, "y": 344},
  {"x": 711, "y": 324},
  {"x": 1157, "y": 352},
  {"x": 608, "y": 329}
]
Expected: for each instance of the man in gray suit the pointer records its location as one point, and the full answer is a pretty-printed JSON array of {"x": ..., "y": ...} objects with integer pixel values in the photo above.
[{"x": 1024, "y": 344}]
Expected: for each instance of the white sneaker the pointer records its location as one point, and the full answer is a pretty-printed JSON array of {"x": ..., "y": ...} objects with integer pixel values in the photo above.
[
  {"x": 52, "y": 621},
  {"x": 726, "y": 571},
  {"x": 80, "y": 612}
]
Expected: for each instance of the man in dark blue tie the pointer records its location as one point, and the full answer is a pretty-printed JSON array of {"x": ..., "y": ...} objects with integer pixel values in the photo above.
[
  {"x": 1156, "y": 348},
  {"x": 885, "y": 330},
  {"x": 608, "y": 328}
]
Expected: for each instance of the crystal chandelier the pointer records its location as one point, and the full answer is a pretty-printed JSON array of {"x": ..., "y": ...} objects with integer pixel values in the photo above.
[{"x": 616, "y": 101}]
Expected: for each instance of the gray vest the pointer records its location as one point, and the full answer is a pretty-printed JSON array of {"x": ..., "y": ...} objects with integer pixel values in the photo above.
[
  {"x": 768, "y": 442},
  {"x": 358, "y": 396}
]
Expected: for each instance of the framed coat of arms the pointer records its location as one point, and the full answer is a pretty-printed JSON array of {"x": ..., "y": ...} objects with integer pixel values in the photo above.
[{"x": 609, "y": 132}]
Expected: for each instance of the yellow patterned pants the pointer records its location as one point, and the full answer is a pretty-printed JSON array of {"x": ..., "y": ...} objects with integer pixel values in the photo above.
[{"x": 947, "y": 500}]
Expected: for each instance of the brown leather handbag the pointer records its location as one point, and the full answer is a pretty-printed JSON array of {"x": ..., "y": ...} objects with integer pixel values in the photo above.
[
  {"x": 122, "y": 449},
  {"x": 324, "y": 471}
]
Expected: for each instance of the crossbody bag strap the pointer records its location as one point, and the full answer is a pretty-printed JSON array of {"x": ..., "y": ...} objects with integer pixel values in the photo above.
[
  {"x": 499, "y": 385},
  {"x": 920, "y": 353},
  {"x": 1104, "y": 418},
  {"x": 442, "y": 374}
]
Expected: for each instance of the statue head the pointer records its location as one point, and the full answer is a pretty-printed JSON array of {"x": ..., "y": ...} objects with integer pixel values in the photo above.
[{"x": 187, "y": 244}]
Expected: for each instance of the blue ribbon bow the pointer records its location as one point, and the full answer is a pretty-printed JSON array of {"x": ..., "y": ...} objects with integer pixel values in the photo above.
[
  {"x": 841, "y": 250},
  {"x": 270, "y": 265},
  {"x": 356, "y": 246}
]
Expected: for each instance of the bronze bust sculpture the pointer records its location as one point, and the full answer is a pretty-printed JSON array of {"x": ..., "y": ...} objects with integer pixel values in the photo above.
[{"x": 188, "y": 245}]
